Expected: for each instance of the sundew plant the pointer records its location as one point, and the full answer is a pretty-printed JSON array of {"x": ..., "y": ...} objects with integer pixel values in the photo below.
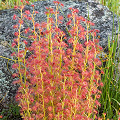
[{"x": 59, "y": 80}]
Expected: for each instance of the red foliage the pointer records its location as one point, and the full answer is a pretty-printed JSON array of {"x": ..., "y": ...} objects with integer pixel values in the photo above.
[{"x": 57, "y": 81}]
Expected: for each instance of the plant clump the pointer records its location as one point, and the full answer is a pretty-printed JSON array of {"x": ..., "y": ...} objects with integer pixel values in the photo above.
[{"x": 57, "y": 81}]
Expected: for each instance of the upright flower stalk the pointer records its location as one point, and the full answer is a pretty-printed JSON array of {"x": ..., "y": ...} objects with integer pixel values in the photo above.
[{"x": 58, "y": 82}]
